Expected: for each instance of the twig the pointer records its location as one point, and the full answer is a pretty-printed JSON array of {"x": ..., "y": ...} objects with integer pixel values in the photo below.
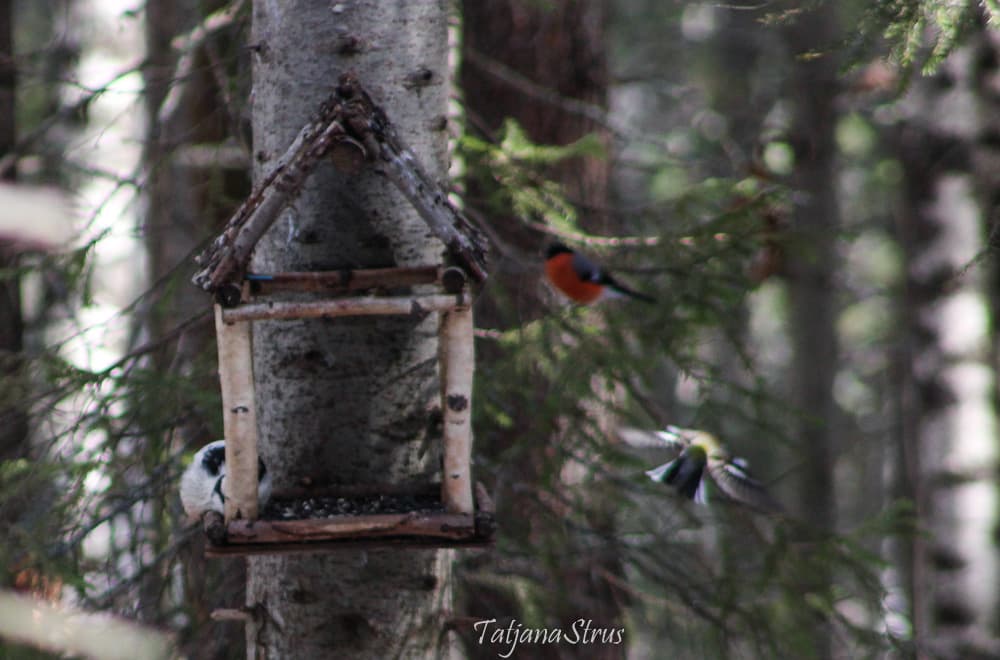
[
  {"x": 26, "y": 142},
  {"x": 187, "y": 45},
  {"x": 229, "y": 253},
  {"x": 231, "y": 614}
]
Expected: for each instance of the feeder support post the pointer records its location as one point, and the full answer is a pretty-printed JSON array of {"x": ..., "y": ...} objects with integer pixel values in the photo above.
[
  {"x": 239, "y": 417},
  {"x": 457, "y": 367}
]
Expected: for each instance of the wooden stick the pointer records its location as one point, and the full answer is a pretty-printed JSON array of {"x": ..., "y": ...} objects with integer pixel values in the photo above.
[
  {"x": 457, "y": 367},
  {"x": 436, "y": 525},
  {"x": 409, "y": 305},
  {"x": 486, "y": 520},
  {"x": 343, "y": 280},
  {"x": 370, "y": 125},
  {"x": 239, "y": 417},
  {"x": 400, "y": 165},
  {"x": 229, "y": 614},
  {"x": 484, "y": 502},
  {"x": 230, "y": 251}
]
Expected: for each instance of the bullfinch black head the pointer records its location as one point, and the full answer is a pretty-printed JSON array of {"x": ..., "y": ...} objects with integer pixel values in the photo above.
[{"x": 556, "y": 248}]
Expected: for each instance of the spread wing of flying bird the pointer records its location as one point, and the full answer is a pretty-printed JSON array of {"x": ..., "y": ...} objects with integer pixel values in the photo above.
[{"x": 701, "y": 454}]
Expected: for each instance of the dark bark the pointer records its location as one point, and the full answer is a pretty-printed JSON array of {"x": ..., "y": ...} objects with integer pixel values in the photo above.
[
  {"x": 559, "y": 47},
  {"x": 184, "y": 203},
  {"x": 813, "y": 87},
  {"x": 14, "y": 433}
]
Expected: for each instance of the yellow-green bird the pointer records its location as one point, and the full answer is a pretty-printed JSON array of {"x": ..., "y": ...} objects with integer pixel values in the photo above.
[{"x": 702, "y": 453}]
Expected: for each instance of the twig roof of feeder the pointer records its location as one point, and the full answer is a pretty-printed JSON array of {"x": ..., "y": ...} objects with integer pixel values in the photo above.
[{"x": 350, "y": 130}]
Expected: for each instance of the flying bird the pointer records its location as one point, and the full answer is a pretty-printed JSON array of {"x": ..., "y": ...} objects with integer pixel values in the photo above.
[
  {"x": 201, "y": 483},
  {"x": 702, "y": 454},
  {"x": 581, "y": 279}
]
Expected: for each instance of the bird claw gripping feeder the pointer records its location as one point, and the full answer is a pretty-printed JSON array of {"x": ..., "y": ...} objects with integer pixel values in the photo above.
[{"x": 350, "y": 130}]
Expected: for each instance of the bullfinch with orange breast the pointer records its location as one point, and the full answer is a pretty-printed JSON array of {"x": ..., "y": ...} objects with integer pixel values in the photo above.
[{"x": 581, "y": 280}]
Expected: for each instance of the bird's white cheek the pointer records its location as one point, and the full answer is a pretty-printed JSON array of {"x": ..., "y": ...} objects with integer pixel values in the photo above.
[{"x": 198, "y": 494}]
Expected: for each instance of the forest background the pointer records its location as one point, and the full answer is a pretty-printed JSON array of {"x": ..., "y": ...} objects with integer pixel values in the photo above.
[{"x": 810, "y": 191}]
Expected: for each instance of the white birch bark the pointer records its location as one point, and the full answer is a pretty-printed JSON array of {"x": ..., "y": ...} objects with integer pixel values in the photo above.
[{"x": 949, "y": 412}]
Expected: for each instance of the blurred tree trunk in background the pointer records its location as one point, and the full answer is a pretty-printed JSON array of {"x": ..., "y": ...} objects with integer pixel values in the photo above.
[
  {"x": 509, "y": 49},
  {"x": 986, "y": 170},
  {"x": 17, "y": 244},
  {"x": 947, "y": 414},
  {"x": 194, "y": 182},
  {"x": 812, "y": 271},
  {"x": 555, "y": 46},
  {"x": 187, "y": 199},
  {"x": 14, "y": 433},
  {"x": 14, "y": 436},
  {"x": 349, "y": 401}
]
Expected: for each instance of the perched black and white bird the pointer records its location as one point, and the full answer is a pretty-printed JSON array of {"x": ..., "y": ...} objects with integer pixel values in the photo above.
[
  {"x": 201, "y": 483},
  {"x": 701, "y": 453}
]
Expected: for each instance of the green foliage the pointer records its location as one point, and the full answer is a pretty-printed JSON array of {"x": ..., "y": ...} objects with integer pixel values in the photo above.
[
  {"x": 922, "y": 32},
  {"x": 551, "y": 389},
  {"x": 515, "y": 146},
  {"x": 92, "y": 509},
  {"x": 519, "y": 165},
  {"x": 547, "y": 389},
  {"x": 94, "y": 503}
]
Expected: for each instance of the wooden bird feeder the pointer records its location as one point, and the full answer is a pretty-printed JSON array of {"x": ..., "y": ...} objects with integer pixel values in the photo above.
[
  {"x": 451, "y": 521},
  {"x": 350, "y": 131}
]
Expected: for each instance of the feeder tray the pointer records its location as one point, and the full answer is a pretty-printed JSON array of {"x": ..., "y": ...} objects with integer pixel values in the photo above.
[
  {"x": 309, "y": 521},
  {"x": 343, "y": 518}
]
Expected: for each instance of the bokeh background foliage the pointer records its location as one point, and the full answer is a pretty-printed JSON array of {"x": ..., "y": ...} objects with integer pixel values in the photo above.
[{"x": 808, "y": 189}]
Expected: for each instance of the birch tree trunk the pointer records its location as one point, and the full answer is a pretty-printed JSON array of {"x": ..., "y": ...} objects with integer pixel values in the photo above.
[
  {"x": 947, "y": 413},
  {"x": 348, "y": 400}
]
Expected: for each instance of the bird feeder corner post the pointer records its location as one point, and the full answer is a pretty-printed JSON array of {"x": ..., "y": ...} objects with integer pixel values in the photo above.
[
  {"x": 457, "y": 368},
  {"x": 239, "y": 417}
]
